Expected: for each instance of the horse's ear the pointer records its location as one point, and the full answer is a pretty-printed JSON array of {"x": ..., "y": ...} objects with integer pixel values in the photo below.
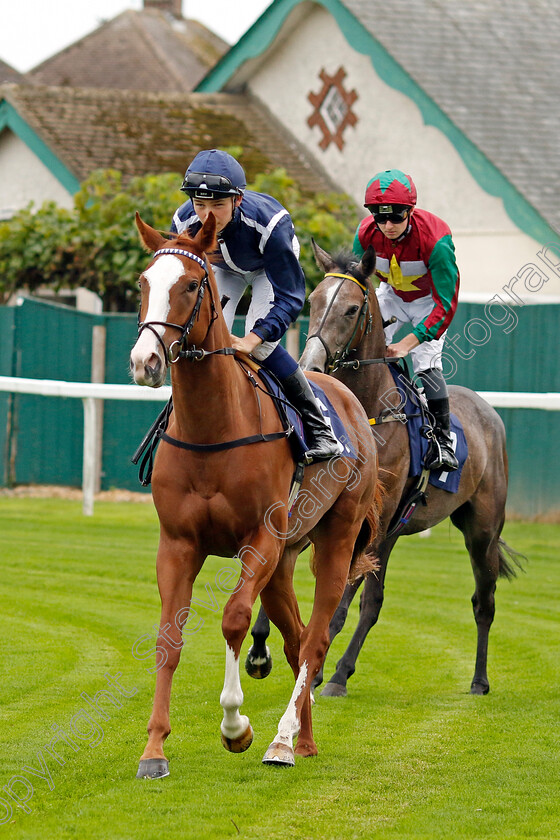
[
  {"x": 322, "y": 258},
  {"x": 206, "y": 236},
  {"x": 366, "y": 266},
  {"x": 151, "y": 239}
]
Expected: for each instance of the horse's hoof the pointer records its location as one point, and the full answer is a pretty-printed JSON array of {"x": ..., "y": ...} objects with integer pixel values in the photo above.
[
  {"x": 480, "y": 688},
  {"x": 306, "y": 750},
  {"x": 334, "y": 690},
  {"x": 239, "y": 745},
  {"x": 153, "y": 768},
  {"x": 279, "y": 755},
  {"x": 258, "y": 667}
]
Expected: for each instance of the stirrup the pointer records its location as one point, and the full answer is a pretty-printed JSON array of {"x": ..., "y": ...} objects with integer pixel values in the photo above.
[
  {"x": 318, "y": 453},
  {"x": 440, "y": 457}
]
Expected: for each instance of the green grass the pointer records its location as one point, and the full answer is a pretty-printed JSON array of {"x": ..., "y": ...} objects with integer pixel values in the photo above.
[{"x": 408, "y": 754}]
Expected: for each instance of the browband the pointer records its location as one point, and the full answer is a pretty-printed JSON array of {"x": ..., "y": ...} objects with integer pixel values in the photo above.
[
  {"x": 182, "y": 254},
  {"x": 347, "y": 277}
]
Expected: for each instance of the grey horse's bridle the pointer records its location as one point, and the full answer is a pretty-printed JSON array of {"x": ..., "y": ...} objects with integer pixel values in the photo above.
[{"x": 335, "y": 359}]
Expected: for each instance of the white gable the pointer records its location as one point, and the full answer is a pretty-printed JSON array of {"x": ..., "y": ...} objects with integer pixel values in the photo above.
[
  {"x": 390, "y": 132},
  {"x": 24, "y": 178}
]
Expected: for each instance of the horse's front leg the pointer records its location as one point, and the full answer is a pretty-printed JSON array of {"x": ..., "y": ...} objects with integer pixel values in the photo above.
[
  {"x": 177, "y": 568},
  {"x": 259, "y": 559}
]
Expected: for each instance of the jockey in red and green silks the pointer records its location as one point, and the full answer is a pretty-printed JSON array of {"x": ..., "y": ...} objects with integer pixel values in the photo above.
[{"x": 419, "y": 286}]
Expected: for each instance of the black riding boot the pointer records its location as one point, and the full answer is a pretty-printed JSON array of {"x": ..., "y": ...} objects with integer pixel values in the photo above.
[
  {"x": 320, "y": 438},
  {"x": 440, "y": 453}
]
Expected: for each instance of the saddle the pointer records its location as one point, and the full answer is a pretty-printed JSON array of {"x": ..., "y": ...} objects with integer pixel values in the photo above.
[{"x": 420, "y": 425}]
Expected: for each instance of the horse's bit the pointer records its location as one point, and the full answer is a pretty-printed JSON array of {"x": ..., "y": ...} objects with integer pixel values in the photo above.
[{"x": 335, "y": 359}]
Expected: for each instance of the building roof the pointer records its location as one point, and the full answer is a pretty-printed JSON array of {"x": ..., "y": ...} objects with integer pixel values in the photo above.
[
  {"x": 485, "y": 73},
  {"x": 494, "y": 69},
  {"x": 10, "y": 74},
  {"x": 148, "y": 50},
  {"x": 141, "y": 133}
]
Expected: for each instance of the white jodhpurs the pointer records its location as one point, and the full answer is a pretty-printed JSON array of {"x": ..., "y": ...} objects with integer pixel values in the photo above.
[
  {"x": 427, "y": 356},
  {"x": 232, "y": 285}
]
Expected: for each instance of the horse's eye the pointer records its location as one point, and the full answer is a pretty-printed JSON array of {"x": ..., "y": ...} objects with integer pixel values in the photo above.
[
  {"x": 193, "y": 285},
  {"x": 351, "y": 311}
]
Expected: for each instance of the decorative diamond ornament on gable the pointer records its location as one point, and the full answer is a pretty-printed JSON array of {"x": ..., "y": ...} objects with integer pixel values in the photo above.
[{"x": 333, "y": 108}]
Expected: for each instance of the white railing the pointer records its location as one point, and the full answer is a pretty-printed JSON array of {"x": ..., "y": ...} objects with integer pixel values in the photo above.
[{"x": 91, "y": 392}]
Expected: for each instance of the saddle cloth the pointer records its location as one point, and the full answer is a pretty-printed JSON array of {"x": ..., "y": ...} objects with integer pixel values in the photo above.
[
  {"x": 290, "y": 416},
  {"x": 419, "y": 443}
]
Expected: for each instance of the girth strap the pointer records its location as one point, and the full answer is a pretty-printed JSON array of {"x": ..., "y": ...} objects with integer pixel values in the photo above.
[
  {"x": 409, "y": 505},
  {"x": 228, "y": 444}
]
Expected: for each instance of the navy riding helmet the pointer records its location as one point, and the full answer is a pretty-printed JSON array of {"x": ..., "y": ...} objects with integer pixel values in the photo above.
[{"x": 214, "y": 174}]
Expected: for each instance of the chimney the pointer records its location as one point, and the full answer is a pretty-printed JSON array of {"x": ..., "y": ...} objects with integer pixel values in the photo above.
[{"x": 173, "y": 7}]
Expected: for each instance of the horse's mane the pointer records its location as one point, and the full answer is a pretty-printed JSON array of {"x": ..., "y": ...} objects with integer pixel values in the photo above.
[
  {"x": 348, "y": 263},
  {"x": 345, "y": 259}
]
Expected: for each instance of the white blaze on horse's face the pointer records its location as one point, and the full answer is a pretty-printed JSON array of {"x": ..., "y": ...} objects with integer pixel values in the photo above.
[{"x": 147, "y": 361}]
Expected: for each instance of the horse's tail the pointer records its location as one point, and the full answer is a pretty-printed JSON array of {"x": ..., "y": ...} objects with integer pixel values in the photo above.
[
  {"x": 363, "y": 563},
  {"x": 506, "y": 568}
]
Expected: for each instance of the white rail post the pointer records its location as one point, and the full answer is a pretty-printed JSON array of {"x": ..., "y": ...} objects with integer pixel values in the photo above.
[
  {"x": 99, "y": 335},
  {"x": 90, "y": 451}
]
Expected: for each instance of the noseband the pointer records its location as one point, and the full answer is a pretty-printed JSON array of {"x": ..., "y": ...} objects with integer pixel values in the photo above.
[
  {"x": 178, "y": 349},
  {"x": 335, "y": 359}
]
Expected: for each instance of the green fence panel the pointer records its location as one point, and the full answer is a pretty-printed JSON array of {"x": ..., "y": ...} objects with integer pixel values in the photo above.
[
  {"x": 534, "y": 489},
  {"x": 7, "y": 332},
  {"x": 52, "y": 342},
  {"x": 523, "y": 359}
]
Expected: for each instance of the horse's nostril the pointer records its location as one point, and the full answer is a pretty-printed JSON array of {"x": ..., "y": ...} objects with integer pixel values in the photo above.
[{"x": 315, "y": 369}]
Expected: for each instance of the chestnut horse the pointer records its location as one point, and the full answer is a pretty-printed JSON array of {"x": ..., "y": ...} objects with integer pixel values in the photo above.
[
  {"x": 221, "y": 485},
  {"x": 345, "y": 321}
]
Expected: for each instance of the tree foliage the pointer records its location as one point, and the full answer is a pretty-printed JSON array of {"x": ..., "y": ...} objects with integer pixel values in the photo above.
[{"x": 95, "y": 245}]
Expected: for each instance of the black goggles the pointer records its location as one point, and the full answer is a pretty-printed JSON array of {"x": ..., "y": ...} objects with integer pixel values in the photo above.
[
  {"x": 395, "y": 218},
  {"x": 208, "y": 182}
]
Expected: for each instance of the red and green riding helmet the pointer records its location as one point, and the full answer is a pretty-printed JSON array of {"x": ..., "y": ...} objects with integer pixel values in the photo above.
[{"x": 390, "y": 188}]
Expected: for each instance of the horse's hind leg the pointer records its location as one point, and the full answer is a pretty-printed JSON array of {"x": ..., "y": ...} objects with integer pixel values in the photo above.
[
  {"x": 481, "y": 532},
  {"x": 333, "y": 555},
  {"x": 279, "y": 600},
  {"x": 259, "y": 659},
  {"x": 258, "y": 663},
  {"x": 332, "y": 564},
  {"x": 371, "y": 602},
  {"x": 260, "y": 558},
  {"x": 338, "y": 620}
]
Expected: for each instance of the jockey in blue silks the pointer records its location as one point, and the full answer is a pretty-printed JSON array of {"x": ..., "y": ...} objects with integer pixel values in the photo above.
[{"x": 257, "y": 247}]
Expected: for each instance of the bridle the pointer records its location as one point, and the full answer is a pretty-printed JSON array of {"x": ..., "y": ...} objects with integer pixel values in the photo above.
[
  {"x": 363, "y": 323},
  {"x": 179, "y": 349}
]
